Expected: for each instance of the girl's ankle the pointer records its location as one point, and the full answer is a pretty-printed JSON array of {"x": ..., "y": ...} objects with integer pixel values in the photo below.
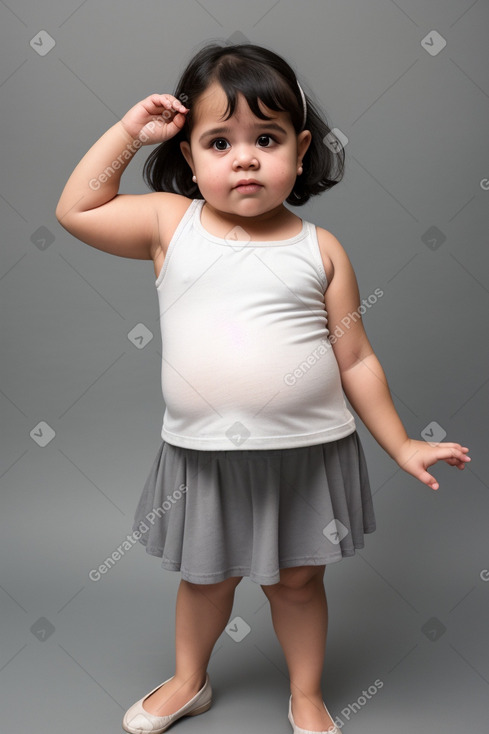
[{"x": 190, "y": 683}]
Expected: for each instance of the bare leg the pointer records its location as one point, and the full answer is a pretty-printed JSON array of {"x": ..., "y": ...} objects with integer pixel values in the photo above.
[
  {"x": 202, "y": 613},
  {"x": 300, "y": 618}
]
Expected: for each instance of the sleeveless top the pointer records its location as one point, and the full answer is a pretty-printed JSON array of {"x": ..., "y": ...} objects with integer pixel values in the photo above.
[{"x": 247, "y": 363}]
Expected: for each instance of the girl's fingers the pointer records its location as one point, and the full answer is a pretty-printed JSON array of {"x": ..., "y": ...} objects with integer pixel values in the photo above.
[
  {"x": 423, "y": 457},
  {"x": 452, "y": 452},
  {"x": 167, "y": 101},
  {"x": 452, "y": 457},
  {"x": 428, "y": 479}
]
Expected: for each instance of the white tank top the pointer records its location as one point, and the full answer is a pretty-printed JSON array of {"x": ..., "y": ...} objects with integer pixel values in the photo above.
[{"x": 246, "y": 359}]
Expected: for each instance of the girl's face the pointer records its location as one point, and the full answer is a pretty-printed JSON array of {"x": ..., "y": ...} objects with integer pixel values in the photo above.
[{"x": 224, "y": 152}]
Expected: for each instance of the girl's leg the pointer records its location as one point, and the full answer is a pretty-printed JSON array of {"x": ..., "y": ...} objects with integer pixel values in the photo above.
[
  {"x": 300, "y": 618},
  {"x": 202, "y": 613}
]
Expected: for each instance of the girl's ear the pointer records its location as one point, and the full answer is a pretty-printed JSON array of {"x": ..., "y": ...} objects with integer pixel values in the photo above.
[
  {"x": 187, "y": 154},
  {"x": 303, "y": 142}
]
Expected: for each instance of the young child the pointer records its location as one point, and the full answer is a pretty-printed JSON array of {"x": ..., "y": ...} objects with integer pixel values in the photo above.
[{"x": 260, "y": 472}]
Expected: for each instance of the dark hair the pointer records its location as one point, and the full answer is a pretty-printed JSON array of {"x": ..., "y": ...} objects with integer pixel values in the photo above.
[{"x": 256, "y": 72}]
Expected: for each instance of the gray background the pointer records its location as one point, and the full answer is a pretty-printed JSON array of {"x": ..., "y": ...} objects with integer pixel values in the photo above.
[{"x": 411, "y": 608}]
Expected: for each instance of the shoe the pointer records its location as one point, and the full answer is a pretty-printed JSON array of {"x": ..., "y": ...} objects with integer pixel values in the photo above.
[
  {"x": 298, "y": 730},
  {"x": 139, "y": 721}
]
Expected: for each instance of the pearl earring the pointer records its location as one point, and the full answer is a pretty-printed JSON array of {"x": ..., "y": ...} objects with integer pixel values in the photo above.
[
  {"x": 299, "y": 170},
  {"x": 194, "y": 179}
]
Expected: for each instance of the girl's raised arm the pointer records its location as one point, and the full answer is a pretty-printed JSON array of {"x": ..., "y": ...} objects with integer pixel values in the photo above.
[{"x": 91, "y": 208}]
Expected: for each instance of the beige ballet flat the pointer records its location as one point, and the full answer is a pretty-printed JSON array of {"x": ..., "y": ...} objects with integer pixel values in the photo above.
[
  {"x": 139, "y": 721},
  {"x": 297, "y": 730}
]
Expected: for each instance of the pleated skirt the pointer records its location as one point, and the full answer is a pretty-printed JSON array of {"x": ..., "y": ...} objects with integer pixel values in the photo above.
[{"x": 215, "y": 514}]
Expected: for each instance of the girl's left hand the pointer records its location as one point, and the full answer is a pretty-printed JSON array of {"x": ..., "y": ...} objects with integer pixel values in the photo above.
[{"x": 416, "y": 456}]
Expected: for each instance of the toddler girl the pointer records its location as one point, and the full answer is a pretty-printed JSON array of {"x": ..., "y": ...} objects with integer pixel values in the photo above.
[{"x": 260, "y": 471}]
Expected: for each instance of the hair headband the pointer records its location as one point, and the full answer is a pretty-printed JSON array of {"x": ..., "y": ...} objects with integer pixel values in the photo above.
[{"x": 304, "y": 105}]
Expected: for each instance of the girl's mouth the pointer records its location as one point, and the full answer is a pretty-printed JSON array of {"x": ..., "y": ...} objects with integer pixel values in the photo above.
[{"x": 248, "y": 188}]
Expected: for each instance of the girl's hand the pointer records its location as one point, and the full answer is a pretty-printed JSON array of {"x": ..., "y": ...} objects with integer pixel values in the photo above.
[
  {"x": 416, "y": 456},
  {"x": 155, "y": 119}
]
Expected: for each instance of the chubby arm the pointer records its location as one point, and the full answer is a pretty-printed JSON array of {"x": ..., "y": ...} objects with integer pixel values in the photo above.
[
  {"x": 90, "y": 207},
  {"x": 363, "y": 379}
]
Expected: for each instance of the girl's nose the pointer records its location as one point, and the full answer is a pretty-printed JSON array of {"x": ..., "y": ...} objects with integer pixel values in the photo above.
[{"x": 245, "y": 159}]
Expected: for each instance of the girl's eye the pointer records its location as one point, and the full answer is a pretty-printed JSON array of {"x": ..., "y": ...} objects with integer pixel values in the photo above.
[
  {"x": 265, "y": 137},
  {"x": 219, "y": 140}
]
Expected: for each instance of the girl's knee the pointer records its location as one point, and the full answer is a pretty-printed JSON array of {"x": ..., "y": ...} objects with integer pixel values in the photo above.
[
  {"x": 227, "y": 585},
  {"x": 298, "y": 581},
  {"x": 299, "y": 576}
]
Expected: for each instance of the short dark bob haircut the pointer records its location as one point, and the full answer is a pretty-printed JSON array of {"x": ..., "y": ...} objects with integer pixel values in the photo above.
[{"x": 255, "y": 72}]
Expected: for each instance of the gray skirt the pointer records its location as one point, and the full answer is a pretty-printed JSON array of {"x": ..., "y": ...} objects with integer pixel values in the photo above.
[{"x": 216, "y": 514}]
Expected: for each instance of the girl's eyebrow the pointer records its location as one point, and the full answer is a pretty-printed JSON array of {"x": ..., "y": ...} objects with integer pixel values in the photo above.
[{"x": 259, "y": 126}]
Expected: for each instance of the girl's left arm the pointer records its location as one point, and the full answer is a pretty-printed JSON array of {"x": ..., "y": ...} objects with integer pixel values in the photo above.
[{"x": 363, "y": 379}]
